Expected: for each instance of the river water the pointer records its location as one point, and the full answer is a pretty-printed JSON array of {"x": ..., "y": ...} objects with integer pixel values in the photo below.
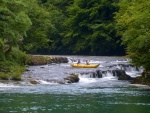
[{"x": 89, "y": 95}]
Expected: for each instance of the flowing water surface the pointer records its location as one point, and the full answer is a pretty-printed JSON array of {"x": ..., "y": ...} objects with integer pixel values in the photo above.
[{"x": 89, "y": 95}]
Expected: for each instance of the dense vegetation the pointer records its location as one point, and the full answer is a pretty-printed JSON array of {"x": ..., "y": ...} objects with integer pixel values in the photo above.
[
  {"x": 87, "y": 27},
  {"x": 133, "y": 24}
]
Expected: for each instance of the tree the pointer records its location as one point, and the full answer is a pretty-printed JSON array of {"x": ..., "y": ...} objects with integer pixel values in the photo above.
[
  {"x": 13, "y": 25},
  {"x": 90, "y": 28},
  {"x": 57, "y": 16},
  {"x": 37, "y": 35},
  {"x": 133, "y": 24}
]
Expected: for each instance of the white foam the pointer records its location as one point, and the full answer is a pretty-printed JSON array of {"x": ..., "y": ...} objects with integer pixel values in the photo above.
[
  {"x": 109, "y": 78},
  {"x": 45, "y": 82},
  {"x": 7, "y": 85},
  {"x": 86, "y": 80},
  {"x": 133, "y": 73},
  {"x": 140, "y": 85}
]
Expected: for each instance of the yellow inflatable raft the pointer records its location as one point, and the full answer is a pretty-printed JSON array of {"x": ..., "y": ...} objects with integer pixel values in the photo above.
[{"x": 85, "y": 65}]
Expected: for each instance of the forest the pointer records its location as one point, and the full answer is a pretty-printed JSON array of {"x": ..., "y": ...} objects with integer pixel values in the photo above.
[{"x": 73, "y": 27}]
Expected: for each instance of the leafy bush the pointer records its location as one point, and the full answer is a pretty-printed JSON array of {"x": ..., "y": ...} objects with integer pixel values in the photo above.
[
  {"x": 18, "y": 56},
  {"x": 10, "y": 70}
]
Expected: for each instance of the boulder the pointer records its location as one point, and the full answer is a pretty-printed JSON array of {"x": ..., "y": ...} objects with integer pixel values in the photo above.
[
  {"x": 121, "y": 74},
  {"x": 72, "y": 78},
  {"x": 34, "y": 82}
]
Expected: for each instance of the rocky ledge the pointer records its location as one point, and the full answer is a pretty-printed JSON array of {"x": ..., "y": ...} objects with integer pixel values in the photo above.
[
  {"x": 42, "y": 60},
  {"x": 120, "y": 74}
]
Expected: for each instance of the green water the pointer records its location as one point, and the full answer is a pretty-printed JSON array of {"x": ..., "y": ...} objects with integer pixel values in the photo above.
[{"x": 110, "y": 100}]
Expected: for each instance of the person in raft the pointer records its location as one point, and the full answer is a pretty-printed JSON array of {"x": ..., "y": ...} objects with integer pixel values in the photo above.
[
  {"x": 87, "y": 62},
  {"x": 78, "y": 62}
]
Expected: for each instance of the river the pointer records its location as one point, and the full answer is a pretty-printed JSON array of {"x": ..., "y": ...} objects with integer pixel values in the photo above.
[{"x": 89, "y": 95}]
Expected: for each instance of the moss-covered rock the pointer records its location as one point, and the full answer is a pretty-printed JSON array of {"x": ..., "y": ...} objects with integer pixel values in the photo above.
[
  {"x": 38, "y": 60},
  {"x": 144, "y": 79},
  {"x": 34, "y": 82},
  {"x": 42, "y": 60},
  {"x": 125, "y": 77},
  {"x": 72, "y": 78}
]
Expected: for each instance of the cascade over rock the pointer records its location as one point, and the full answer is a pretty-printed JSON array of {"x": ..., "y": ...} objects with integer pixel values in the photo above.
[{"x": 120, "y": 74}]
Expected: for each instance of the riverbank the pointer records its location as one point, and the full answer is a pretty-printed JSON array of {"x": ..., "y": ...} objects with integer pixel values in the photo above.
[
  {"x": 144, "y": 79},
  {"x": 10, "y": 70}
]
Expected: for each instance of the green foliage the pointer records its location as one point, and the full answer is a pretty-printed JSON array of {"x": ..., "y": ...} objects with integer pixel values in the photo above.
[
  {"x": 16, "y": 72},
  {"x": 57, "y": 16},
  {"x": 14, "y": 22},
  {"x": 134, "y": 27},
  {"x": 37, "y": 34},
  {"x": 90, "y": 27},
  {"x": 10, "y": 70},
  {"x": 18, "y": 56},
  {"x": 13, "y": 25},
  {"x": 2, "y": 45}
]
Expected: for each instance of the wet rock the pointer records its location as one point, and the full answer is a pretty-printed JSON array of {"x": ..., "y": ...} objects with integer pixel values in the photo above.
[
  {"x": 72, "y": 78},
  {"x": 34, "y": 82},
  {"x": 96, "y": 74},
  {"x": 99, "y": 73},
  {"x": 144, "y": 79},
  {"x": 121, "y": 75},
  {"x": 118, "y": 73},
  {"x": 146, "y": 74},
  {"x": 125, "y": 77},
  {"x": 61, "y": 82}
]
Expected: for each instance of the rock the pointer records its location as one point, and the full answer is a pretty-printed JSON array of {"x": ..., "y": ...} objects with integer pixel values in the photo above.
[
  {"x": 121, "y": 75},
  {"x": 43, "y": 60},
  {"x": 118, "y": 73},
  {"x": 34, "y": 82},
  {"x": 144, "y": 79},
  {"x": 72, "y": 78},
  {"x": 125, "y": 77},
  {"x": 146, "y": 74}
]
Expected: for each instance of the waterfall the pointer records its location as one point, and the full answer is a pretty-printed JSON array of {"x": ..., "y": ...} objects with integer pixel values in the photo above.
[{"x": 120, "y": 71}]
